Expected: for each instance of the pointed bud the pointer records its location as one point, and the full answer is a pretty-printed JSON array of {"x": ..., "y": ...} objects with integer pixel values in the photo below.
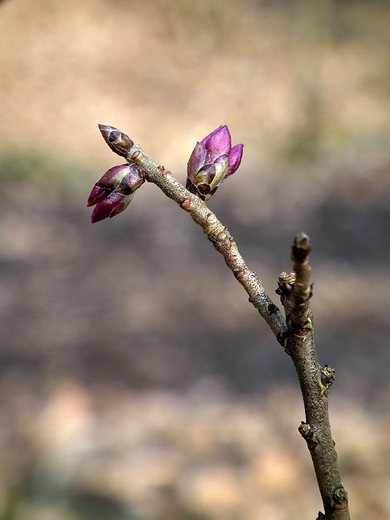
[
  {"x": 114, "y": 191},
  {"x": 119, "y": 142},
  {"x": 110, "y": 180},
  {"x": 211, "y": 162},
  {"x": 112, "y": 205}
]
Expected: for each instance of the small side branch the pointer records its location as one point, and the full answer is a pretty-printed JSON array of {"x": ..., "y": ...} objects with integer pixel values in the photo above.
[
  {"x": 217, "y": 233},
  {"x": 315, "y": 380}
]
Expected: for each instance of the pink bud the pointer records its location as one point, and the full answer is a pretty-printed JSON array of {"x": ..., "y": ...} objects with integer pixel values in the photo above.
[
  {"x": 114, "y": 191},
  {"x": 214, "y": 150}
]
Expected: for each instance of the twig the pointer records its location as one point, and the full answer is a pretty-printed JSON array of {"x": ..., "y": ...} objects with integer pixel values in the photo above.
[{"x": 314, "y": 380}]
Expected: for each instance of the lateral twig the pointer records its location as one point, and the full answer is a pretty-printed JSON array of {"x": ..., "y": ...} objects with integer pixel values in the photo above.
[{"x": 219, "y": 236}]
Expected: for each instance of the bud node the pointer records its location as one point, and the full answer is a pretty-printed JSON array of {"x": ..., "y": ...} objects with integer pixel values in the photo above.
[
  {"x": 211, "y": 217},
  {"x": 186, "y": 204}
]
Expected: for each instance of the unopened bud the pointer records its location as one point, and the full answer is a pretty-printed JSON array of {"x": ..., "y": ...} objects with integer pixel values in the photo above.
[
  {"x": 119, "y": 142},
  {"x": 211, "y": 162},
  {"x": 114, "y": 191}
]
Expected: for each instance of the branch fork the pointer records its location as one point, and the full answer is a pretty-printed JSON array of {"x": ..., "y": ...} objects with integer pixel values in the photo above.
[{"x": 212, "y": 160}]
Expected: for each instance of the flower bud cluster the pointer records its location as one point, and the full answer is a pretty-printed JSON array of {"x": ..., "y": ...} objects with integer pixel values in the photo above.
[{"x": 211, "y": 162}]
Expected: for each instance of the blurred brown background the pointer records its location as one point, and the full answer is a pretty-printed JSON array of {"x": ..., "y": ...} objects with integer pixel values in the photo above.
[{"x": 137, "y": 383}]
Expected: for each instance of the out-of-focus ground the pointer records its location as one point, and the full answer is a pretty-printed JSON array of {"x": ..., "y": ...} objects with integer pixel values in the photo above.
[{"x": 136, "y": 381}]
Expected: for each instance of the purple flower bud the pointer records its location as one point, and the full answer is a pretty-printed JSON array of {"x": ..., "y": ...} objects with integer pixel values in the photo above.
[
  {"x": 211, "y": 162},
  {"x": 119, "y": 142},
  {"x": 113, "y": 192},
  {"x": 110, "y": 180}
]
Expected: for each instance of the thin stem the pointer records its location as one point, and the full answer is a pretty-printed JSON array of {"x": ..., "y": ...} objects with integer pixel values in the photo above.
[
  {"x": 219, "y": 236},
  {"x": 314, "y": 380}
]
